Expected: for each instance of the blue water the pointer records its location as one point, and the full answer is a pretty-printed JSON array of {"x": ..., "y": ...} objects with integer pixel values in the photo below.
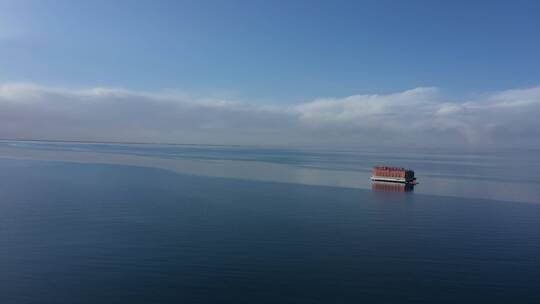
[{"x": 74, "y": 232}]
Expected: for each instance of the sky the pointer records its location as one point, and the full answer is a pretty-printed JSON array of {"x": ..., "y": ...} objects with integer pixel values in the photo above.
[{"x": 326, "y": 73}]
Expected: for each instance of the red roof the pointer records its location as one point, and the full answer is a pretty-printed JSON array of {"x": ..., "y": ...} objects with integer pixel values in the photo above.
[{"x": 389, "y": 168}]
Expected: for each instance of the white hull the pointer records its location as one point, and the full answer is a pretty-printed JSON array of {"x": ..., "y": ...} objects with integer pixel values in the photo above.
[{"x": 389, "y": 179}]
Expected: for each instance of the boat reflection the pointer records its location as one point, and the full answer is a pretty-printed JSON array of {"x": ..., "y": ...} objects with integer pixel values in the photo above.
[{"x": 392, "y": 187}]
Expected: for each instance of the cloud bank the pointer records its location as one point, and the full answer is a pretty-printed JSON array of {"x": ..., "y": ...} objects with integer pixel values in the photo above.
[{"x": 419, "y": 117}]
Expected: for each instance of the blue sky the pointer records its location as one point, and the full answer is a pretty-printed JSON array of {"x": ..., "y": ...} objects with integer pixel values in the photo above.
[
  {"x": 276, "y": 51},
  {"x": 333, "y": 73}
]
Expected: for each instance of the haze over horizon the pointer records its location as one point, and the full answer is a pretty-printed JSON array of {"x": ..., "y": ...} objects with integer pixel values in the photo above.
[{"x": 334, "y": 74}]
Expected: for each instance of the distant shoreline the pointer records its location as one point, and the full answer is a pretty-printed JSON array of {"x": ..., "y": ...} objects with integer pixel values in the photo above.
[{"x": 117, "y": 142}]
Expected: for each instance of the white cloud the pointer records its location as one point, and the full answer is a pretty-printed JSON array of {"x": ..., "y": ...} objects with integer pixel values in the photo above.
[{"x": 419, "y": 117}]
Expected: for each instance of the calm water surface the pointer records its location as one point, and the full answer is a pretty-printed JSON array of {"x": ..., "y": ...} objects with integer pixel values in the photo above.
[{"x": 181, "y": 224}]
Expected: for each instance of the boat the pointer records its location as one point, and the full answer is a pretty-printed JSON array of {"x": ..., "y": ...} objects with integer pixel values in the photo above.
[{"x": 393, "y": 175}]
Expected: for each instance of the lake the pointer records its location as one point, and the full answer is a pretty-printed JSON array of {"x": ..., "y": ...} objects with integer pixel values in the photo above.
[{"x": 140, "y": 223}]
